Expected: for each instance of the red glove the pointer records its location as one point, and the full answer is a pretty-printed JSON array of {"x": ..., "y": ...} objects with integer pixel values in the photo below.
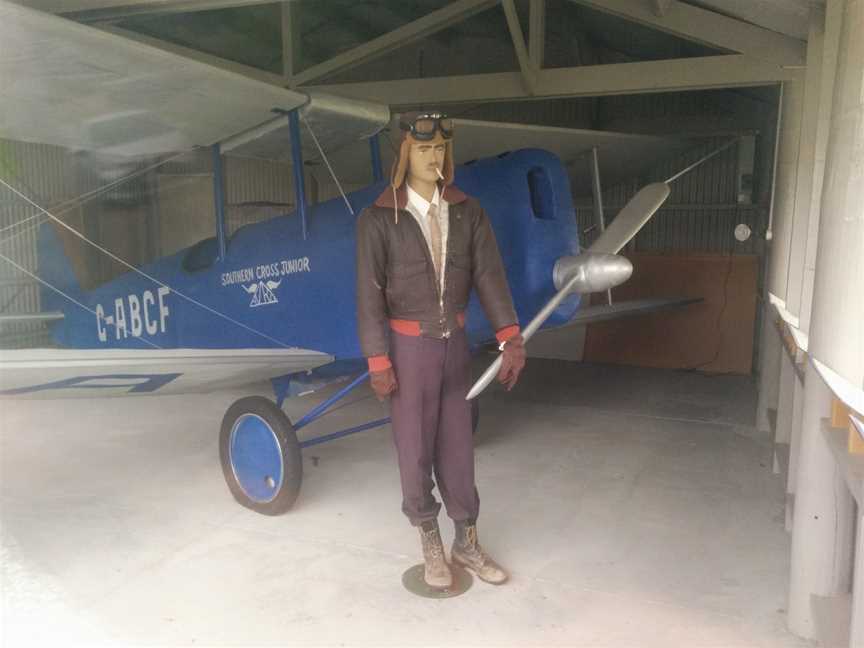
[
  {"x": 513, "y": 361},
  {"x": 383, "y": 382}
]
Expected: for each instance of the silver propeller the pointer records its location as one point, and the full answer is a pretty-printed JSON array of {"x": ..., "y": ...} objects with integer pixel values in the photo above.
[{"x": 596, "y": 270}]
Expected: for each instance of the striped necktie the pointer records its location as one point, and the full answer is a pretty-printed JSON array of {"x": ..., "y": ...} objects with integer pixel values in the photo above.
[{"x": 435, "y": 230}]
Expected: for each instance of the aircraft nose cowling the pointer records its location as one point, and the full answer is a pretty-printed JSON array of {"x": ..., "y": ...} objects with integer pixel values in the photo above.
[{"x": 592, "y": 271}]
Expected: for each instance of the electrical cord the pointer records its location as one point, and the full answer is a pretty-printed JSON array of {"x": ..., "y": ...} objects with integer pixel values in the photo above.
[{"x": 718, "y": 321}]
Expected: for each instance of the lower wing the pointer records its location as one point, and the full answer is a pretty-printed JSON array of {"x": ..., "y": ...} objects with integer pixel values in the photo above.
[
  {"x": 624, "y": 309},
  {"x": 89, "y": 373}
]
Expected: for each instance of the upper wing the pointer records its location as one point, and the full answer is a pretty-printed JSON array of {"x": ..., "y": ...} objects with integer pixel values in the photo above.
[
  {"x": 87, "y": 373},
  {"x": 620, "y": 155},
  {"x": 75, "y": 86},
  {"x": 335, "y": 121}
]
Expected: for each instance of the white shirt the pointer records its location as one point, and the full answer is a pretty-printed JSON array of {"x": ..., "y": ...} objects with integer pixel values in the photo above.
[{"x": 419, "y": 208}]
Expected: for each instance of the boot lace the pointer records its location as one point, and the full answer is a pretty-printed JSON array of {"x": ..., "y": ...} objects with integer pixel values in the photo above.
[
  {"x": 471, "y": 536},
  {"x": 433, "y": 544},
  {"x": 472, "y": 547}
]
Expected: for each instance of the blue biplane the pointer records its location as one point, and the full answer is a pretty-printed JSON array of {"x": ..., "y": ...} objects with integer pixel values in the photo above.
[{"x": 276, "y": 299}]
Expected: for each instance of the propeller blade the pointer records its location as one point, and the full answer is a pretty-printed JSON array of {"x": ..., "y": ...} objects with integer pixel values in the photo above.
[
  {"x": 631, "y": 218},
  {"x": 535, "y": 324},
  {"x": 595, "y": 270}
]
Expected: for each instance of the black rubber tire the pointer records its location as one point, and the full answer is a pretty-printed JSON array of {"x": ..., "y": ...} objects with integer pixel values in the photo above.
[
  {"x": 475, "y": 416},
  {"x": 290, "y": 448}
]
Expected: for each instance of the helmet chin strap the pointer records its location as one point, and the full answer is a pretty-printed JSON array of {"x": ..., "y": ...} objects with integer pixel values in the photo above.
[{"x": 399, "y": 170}]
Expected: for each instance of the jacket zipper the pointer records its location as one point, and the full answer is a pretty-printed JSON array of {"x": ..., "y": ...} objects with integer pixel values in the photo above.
[{"x": 447, "y": 255}]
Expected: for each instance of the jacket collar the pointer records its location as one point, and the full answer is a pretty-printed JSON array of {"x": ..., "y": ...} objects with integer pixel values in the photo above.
[{"x": 450, "y": 193}]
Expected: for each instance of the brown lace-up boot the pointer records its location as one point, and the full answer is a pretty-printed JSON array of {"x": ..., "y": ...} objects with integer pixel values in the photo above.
[
  {"x": 437, "y": 573},
  {"x": 468, "y": 553}
]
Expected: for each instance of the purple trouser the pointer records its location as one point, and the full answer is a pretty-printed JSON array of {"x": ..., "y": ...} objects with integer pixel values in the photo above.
[{"x": 432, "y": 425}]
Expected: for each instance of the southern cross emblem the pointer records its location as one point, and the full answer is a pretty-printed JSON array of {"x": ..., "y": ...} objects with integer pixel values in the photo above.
[{"x": 262, "y": 293}]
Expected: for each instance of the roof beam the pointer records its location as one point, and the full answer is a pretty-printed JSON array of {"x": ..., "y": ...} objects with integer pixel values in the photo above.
[
  {"x": 288, "y": 32},
  {"x": 413, "y": 31},
  {"x": 527, "y": 69},
  {"x": 84, "y": 11},
  {"x": 700, "y": 73},
  {"x": 537, "y": 33},
  {"x": 790, "y": 17},
  {"x": 709, "y": 28},
  {"x": 661, "y": 7}
]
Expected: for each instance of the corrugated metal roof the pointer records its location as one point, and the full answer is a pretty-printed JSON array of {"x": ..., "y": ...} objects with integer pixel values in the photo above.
[{"x": 790, "y": 17}]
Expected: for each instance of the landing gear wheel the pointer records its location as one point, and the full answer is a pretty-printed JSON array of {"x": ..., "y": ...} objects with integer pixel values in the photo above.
[
  {"x": 475, "y": 416},
  {"x": 260, "y": 455}
]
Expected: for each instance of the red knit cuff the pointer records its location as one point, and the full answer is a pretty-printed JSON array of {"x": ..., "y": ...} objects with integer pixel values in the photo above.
[
  {"x": 507, "y": 332},
  {"x": 379, "y": 363}
]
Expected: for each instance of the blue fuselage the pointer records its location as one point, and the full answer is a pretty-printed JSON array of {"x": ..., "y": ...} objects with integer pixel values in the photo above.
[{"x": 302, "y": 292}]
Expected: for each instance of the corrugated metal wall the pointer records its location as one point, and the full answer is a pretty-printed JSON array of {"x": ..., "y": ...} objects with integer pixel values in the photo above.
[
  {"x": 700, "y": 214},
  {"x": 252, "y": 180},
  {"x": 247, "y": 180}
]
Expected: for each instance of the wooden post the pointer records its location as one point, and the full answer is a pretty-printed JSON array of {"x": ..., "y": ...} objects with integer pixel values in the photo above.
[{"x": 841, "y": 417}]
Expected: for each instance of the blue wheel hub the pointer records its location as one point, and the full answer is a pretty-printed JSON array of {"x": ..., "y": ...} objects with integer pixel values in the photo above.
[{"x": 256, "y": 458}]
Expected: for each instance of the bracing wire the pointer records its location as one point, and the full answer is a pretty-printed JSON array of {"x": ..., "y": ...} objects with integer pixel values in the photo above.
[
  {"x": 327, "y": 162},
  {"x": 703, "y": 159},
  {"x": 70, "y": 298},
  {"x": 123, "y": 262}
]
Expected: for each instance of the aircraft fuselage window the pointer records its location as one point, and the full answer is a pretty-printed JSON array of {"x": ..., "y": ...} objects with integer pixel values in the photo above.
[
  {"x": 202, "y": 255},
  {"x": 542, "y": 195}
]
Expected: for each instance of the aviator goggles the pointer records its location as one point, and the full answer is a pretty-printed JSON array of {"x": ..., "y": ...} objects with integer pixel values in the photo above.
[{"x": 423, "y": 126}]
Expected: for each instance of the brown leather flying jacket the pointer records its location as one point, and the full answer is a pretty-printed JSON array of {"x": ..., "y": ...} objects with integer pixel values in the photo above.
[{"x": 396, "y": 278}]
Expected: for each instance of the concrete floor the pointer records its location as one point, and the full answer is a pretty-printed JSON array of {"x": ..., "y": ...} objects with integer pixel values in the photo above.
[{"x": 634, "y": 508}]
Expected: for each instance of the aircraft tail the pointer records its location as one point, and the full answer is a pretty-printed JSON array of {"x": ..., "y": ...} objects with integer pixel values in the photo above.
[{"x": 56, "y": 270}]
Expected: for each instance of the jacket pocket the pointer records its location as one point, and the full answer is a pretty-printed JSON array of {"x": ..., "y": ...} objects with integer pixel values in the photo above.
[
  {"x": 408, "y": 288},
  {"x": 459, "y": 280}
]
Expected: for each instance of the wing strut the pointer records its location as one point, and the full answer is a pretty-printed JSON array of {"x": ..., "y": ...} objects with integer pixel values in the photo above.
[
  {"x": 219, "y": 198},
  {"x": 375, "y": 150},
  {"x": 598, "y": 200},
  {"x": 297, "y": 166}
]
